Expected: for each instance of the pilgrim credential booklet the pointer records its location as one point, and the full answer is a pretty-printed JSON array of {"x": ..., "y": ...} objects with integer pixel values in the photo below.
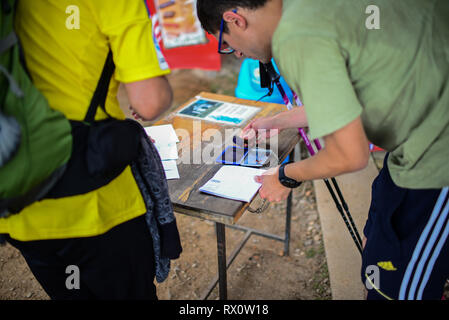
[{"x": 234, "y": 182}]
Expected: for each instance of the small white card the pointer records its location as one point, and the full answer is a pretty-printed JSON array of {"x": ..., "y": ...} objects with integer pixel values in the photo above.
[
  {"x": 171, "y": 169},
  {"x": 167, "y": 152},
  {"x": 165, "y": 139},
  {"x": 163, "y": 135}
]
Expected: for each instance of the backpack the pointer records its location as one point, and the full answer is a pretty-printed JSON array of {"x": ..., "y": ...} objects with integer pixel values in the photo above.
[
  {"x": 54, "y": 157},
  {"x": 35, "y": 140}
]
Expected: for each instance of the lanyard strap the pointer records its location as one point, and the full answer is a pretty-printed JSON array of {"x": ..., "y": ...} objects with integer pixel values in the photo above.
[
  {"x": 289, "y": 105},
  {"x": 269, "y": 74}
]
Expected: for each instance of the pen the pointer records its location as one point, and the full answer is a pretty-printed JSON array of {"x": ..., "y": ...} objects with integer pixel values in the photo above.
[{"x": 257, "y": 151}]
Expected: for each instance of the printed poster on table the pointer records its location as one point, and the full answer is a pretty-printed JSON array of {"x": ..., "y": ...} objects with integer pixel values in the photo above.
[{"x": 219, "y": 111}]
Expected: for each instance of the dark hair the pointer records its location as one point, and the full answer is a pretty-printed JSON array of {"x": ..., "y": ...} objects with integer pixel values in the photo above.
[{"x": 210, "y": 12}]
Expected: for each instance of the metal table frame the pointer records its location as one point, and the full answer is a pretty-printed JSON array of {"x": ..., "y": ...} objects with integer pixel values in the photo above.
[{"x": 224, "y": 263}]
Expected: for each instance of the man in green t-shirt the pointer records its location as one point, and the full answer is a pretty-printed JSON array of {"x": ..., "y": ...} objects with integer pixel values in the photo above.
[{"x": 373, "y": 71}]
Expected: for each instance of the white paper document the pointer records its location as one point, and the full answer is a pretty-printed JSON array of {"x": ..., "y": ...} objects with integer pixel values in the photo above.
[
  {"x": 165, "y": 139},
  {"x": 163, "y": 135},
  {"x": 234, "y": 182},
  {"x": 168, "y": 151},
  {"x": 171, "y": 169}
]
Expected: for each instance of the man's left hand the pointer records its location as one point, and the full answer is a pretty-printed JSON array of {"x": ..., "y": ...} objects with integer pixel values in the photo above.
[{"x": 271, "y": 189}]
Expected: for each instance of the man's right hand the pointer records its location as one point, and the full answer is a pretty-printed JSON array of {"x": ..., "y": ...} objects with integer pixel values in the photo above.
[
  {"x": 267, "y": 127},
  {"x": 261, "y": 128}
]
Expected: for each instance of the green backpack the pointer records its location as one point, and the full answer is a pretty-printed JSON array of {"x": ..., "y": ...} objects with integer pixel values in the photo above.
[{"x": 35, "y": 140}]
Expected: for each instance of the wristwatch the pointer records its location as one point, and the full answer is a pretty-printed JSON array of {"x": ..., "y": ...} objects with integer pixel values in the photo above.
[{"x": 286, "y": 181}]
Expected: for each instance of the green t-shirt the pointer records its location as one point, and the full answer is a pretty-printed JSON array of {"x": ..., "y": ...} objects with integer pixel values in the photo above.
[{"x": 396, "y": 77}]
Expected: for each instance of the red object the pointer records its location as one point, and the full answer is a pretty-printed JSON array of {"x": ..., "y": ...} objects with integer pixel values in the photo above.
[
  {"x": 202, "y": 56},
  {"x": 376, "y": 148}
]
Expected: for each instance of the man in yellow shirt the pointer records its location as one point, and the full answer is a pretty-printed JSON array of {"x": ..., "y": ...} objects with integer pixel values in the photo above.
[{"x": 103, "y": 232}]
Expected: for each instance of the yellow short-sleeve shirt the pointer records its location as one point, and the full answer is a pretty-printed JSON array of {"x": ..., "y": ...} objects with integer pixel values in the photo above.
[{"x": 66, "y": 43}]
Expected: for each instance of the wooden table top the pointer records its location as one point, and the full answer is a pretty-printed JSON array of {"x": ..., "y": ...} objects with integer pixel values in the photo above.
[{"x": 184, "y": 193}]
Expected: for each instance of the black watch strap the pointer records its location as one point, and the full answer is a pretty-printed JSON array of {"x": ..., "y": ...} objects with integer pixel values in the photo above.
[{"x": 286, "y": 181}]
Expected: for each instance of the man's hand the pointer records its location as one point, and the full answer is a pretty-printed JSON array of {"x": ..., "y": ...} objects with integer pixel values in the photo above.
[
  {"x": 261, "y": 128},
  {"x": 268, "y": 127},
  {"x": 272, "y": 189}
]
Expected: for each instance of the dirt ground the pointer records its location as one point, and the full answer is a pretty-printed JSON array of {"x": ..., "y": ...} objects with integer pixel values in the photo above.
[{"x": 260, "y": 271}]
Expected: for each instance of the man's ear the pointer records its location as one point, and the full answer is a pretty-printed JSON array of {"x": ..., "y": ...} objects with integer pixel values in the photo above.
[{"x": 235, "y": 19}]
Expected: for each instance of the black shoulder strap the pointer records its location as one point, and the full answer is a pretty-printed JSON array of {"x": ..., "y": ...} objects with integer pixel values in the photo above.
[
  {"x": 101, "y": 92},
  {"x": 6, "y": 7}
]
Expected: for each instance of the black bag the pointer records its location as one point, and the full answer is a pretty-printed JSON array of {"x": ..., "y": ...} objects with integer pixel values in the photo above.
[{"x": 101, "y": 149}]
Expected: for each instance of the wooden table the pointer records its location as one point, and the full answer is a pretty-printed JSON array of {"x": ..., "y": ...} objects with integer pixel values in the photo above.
[{"x": 186, "y": 197}]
